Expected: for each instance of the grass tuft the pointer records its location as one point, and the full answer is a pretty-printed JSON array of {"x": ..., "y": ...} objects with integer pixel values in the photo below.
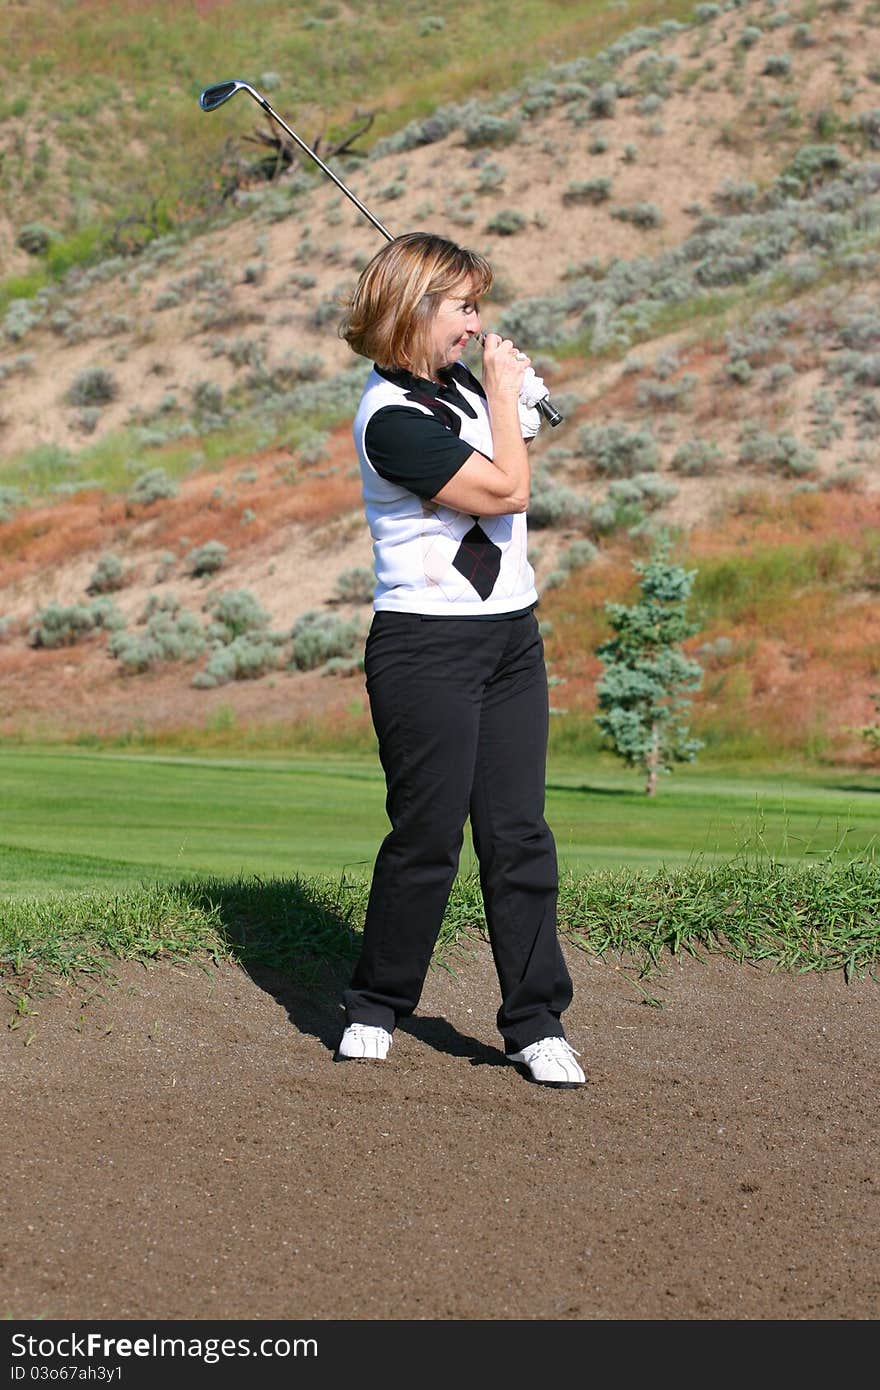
[{"x": 822, "y": 917}]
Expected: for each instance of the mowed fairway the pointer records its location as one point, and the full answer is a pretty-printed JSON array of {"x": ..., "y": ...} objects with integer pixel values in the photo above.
[{"x": 72, "y": 819}]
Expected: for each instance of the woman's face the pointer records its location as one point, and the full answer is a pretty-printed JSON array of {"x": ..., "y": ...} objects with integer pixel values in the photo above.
[{"x": 455, "y": 323}]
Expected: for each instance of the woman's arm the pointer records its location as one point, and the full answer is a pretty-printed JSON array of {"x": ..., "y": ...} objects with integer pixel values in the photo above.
[{"x": 493, "y": 487}]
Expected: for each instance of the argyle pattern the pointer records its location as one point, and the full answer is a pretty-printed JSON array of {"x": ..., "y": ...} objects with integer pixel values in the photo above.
[{"x": 478, "y": 559}]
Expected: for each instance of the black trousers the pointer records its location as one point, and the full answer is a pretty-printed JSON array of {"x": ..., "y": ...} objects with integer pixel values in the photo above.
[{"x": 460, "y": 710}]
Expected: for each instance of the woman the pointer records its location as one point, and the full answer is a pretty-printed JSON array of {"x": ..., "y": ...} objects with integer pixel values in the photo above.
[{"x": 454, "y": 660}]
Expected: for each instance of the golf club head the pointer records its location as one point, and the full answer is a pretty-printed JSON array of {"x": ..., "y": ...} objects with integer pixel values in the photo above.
[{"x": 220, "y": 92}]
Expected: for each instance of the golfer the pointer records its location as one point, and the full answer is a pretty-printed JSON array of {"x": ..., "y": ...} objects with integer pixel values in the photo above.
[{"x": 454, "y": 660}]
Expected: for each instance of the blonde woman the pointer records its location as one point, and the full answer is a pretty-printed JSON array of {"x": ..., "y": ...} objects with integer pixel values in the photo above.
[{"x": 454, "y": 659}]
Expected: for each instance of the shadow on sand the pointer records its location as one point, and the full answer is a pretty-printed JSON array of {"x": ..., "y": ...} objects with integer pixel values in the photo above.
[{"x": 296, "y": 942}]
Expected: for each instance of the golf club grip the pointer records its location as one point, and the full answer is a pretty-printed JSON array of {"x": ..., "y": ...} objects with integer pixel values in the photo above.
[
  {"x": 549, "y": 412},
  {"x": 553, "y": 416}
]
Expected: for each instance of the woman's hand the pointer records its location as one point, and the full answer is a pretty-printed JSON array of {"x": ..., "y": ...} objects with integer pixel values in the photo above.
[
  {"x": 500, "y": 484},
  {"x": 504, "y": 367}
]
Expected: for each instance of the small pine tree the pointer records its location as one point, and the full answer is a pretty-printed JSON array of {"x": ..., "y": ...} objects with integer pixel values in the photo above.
[{"x": 641, "y": 700}]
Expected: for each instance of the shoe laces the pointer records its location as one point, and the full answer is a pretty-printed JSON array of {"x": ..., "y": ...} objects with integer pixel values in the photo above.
[
  {"x": 554, "y": 1048},
  {"x": 359, "y": 1030}
]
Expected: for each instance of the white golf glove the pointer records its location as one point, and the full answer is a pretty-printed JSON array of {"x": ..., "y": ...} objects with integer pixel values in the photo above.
[
  {"x": 529, "y": 419},
  {"x": 533, "y": 388}
]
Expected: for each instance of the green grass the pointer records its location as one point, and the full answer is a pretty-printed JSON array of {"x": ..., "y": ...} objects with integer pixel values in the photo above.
[
  {"x": 761, "y": 584},
  {"x": 40, "y": 471},
  {"x": 112, "y": 820},
  {"x": 267, "y": 861},
  {"x": 799, "y": 918}
]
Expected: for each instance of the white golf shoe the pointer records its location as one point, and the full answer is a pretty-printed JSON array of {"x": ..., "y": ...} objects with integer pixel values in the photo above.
[
  {"x": 363, "y": 1041},
  {"x": 550, "y": 1062}
]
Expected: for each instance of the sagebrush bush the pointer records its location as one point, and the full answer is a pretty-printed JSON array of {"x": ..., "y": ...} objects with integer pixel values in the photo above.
[
  {"x": 614, "y": 513},
  {"x": 205, "y": 559},
  {"x": 244, "y": 658},
  {"x": 616, "y": 451},
  {"x": 665, "y": 395},
  {"x": 152, "y": 486},
  {"x": 172, "y": 634},
  {"x": 21, "y": 316},
  {"x": 749, "y": 36},
  {"x": 93, "y": 386},
  {"x": 640, "y": 215},
  {"x": 207, "y": 397},
  {"x": 740, "y": 371},
  {"x": 735, "y": 195},
  {"x": 63, "y": 625},
  {"x": 858, "y": 368},
  {"x": 589, "y": 191},
  {"x": 860, "y": 328},
  {"x": 578, "y": 554},
  {"x": 695, "y": 457},
  {"x": 803, "y": 37},
  {"x": 538, "y": 322},
  {"x": 327, "y": 310},
  {"x": 355, "y": 586},
  {"x": 654, "y": 72},
  {"x": 160, "y": 603},
  {"x": 781, "y": 374},
  {"x": 777, "y": 65},
  {"x": 484, "y": 129},
  {"x": 648, "y": 489},
  {"x": 22, "y": 364},
  {"x": 107, "y": 576},
  {"x": 603, "y": 102},
  {"x": 649, "y": 104},
  {"x": 343, "y": 666},
  {"x": 506, "y": 222},
  {"x": 811, "y": 166},
  {"x": 34, "y": 238},
  {"x": 317, "y": 636},
  {"x": 491, "y": 177},
  {"x": 235, "y": 613},
  {"x": 777, "y": 453},
  {"x": 553, "y": 504}
]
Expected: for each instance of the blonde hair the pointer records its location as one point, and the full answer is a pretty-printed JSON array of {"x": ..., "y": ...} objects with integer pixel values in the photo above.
[{"x": 391, "y": 312}]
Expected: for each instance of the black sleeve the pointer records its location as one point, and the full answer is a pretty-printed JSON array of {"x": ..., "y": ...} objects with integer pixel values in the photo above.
[{"x": 414, "y": 450}]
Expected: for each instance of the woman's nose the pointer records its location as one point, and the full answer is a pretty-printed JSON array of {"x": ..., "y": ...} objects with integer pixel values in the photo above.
[{"x": 472, "y": 321}]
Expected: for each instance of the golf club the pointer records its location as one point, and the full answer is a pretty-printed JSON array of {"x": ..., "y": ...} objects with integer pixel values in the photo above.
[{"x": 212, "y": 97}]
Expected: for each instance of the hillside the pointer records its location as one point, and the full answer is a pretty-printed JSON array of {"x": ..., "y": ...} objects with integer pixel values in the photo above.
[{"x": 685, "y": 228}]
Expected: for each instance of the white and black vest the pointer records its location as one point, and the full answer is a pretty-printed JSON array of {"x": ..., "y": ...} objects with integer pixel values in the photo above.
[{"x": 431, "y": 559}]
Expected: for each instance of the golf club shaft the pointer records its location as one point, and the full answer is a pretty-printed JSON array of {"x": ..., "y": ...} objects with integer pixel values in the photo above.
[
  {"x": 306, "y": 149},
  {"x": 220, "y": 92}
]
